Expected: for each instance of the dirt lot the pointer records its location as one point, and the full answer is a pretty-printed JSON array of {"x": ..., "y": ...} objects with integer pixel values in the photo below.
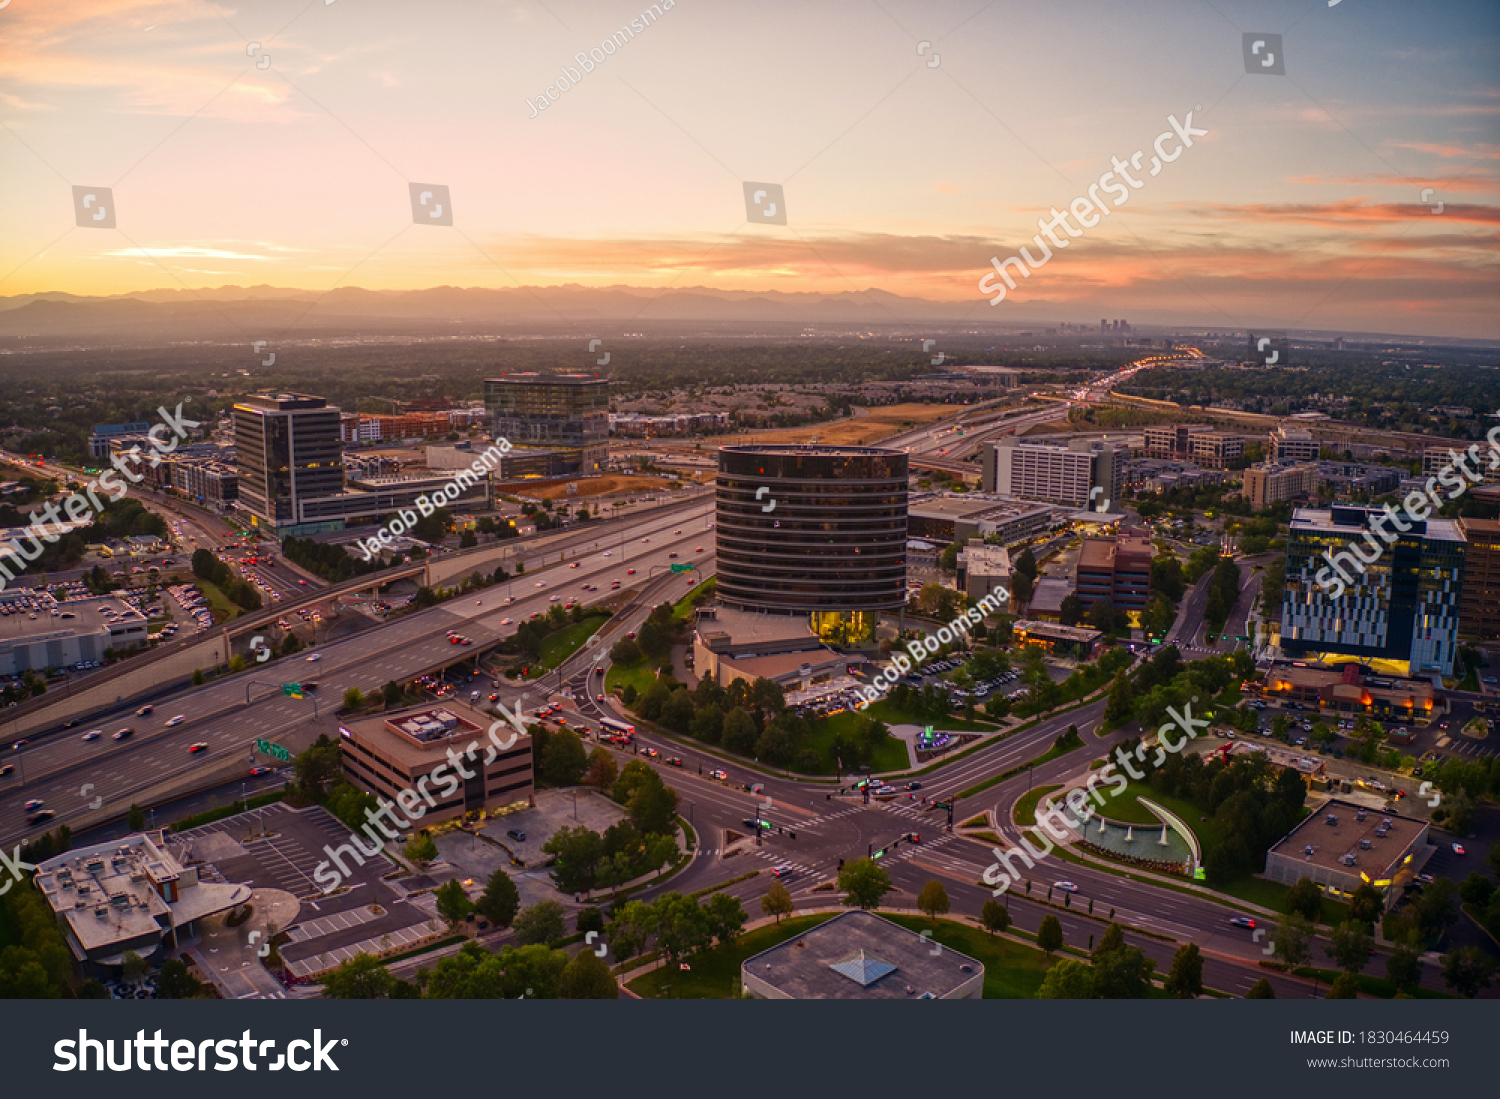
[
  {"x": 878, "y": 423},
  {"x": 594, "y": 486}
]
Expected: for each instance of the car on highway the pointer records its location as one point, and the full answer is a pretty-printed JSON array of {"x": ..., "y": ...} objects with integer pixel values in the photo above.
[
  {"x": 172, "y": 722},
  {"x": 517, "y": 835},
  {"x": 672, "y": 761},
  {"x": 145, "y": 711},
  {"x": 671, "y": 555},
  {"x": 782, "y": 871},
  {"x": 630, "y": 572},
  {"x": 93, "y": 735},
  {"x": 314, "y": 658},
  {"x": 18, "y": 745},
  {"x": 302, "y": 582},
  {"x": 553, "y": 598},
  {"x": 697, "y": 549},
  {"x": 125, "y": 733},
  {"x": 913, "y": 785},
  {"x": 598, "y": 698},
  {"x": 722, "y": 776},
  {"x": 201, "y": 746},
  {"x": 44, "y": 815},
  {"x": 256, "y": 772},
  {"x": 8, "y": 769},
  {"x": 1065, "y": 887},
  {"x": 1243, "y": 921},
  {"x": 574, "y": 565},
  {"x": 1458, "y": 849},
  {"x": 33, "y": 805},
  {"x": 606, "y": 553}
]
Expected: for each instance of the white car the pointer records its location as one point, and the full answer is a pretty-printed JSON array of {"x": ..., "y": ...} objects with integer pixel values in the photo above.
[
  {"x": 95, "y": 735},
  {"x": 178, "y": 720},
  {"x": 1065, "y": 887},
  {"x": 505, "y": 621},
  {"x": 314, "y": 658},
  {"x": 606, "y": 553}
]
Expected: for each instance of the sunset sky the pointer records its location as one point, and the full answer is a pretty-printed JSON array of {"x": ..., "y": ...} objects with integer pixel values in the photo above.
[{"x": 1300, "y": 209}]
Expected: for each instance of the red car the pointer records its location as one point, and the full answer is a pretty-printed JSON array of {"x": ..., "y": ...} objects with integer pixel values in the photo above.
[
  {"x": 630, "y": 572},
  {"x": 199, "y": 747}
]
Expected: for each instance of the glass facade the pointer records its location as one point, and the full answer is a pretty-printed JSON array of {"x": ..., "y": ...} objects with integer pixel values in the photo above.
[
  {"x": 566, "y": 413},
  {"x": 812, "y": 529}
]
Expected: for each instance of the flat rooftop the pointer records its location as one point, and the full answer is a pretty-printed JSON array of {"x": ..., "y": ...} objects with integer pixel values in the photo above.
[
  {"x": 1335, "y": 830},
  {"x": 860, "y": 956},
  {"x": 87, "y": 616},
  {"x": 746, "y": 631},
  {"x": 1054, "y": 631},
  {"x": 420, "y": 734}
]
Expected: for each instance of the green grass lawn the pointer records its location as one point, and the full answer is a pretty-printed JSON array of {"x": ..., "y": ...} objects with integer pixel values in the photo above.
[
  {"x": 218, "y": 602},
  {"x": 1025, "y": 811},
  {"x": 563, "y": 643},
  {"x": 1012, "y": 971},
  {"x": 889, "y": 755},
  {"x": 701, "y": 591},
  {"x": 1375, "y": 986},
  {"x": 884, "y": 711},
  {"x": 716, "y": 973},
  {"x": 641, "y": 674}
]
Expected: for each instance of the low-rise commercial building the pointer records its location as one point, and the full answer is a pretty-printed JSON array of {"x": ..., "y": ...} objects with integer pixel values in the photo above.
[
  {"x": 732, "y": 644},
  {"x": 1078, "y": 640},
  {"x": 1290, "y": 444},
  {"x": 61, "y": 634},
  {"x": 983, "y": 569},
  {"x": 395, "y": 756},
  {"x": 128, "y": 896},
  {"x": 1342, "y": 846},
  {"x": 949, "y": 517},
  {"x": 1350, "y": 689},
  {"x": 861, "y": 956},
  {"x": 1117, "y": 569}
]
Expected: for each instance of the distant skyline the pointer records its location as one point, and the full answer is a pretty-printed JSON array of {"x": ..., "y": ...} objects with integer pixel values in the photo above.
[{"x": 1303, "y": 207}]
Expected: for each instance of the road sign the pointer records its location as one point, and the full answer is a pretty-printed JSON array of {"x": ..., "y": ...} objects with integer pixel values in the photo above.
[
  {"x": 275, "y": 751},
  {"x": 293, "y": 690},
  {"x": 682, "y": 568}
]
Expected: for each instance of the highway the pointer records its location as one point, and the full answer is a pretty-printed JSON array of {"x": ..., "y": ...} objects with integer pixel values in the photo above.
[{"x": 229, "y": 714}]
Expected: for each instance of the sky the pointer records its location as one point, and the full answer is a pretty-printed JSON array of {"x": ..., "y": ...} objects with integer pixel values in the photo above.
[{"x": 276, "y": 143}]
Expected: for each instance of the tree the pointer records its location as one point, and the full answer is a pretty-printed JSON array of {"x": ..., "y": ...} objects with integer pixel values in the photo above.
[
  {"x": 726, "y": 918},
  {"x": 500, "y": 900},
  {"x": 1366, "y": 904},
  {"x": 1404, "y": 965},
  {"x": 1121, "y": 974},
  {"x": 361, "y": 977},
  {"x": 452, "y": 904},
  {"x": 420, "y": 850},
  {"x": 174, "y": 982},
  {"x": 587, "y": 977},
  {"x": 541, "y": 923},
  {"x": 1476, "y": 889},
  {"x": 1293, "y": 939},
  {"x": 681, "y": 924},
  {"x": 136, "y": 820},
  {"x": 133, "y": 967},
  {"x": 1185, "y": 981},
  {"x": 602, "y": 770},
  {"x": 740, "y": 733},
  {"x": 565, "y": 760},
  {"x": 390, "y": 694},
  {"x": 1071, "y": 610},
  {"x": 1113, "y": 939},
  {"x": 1049, "y": 934},
  {"x": 1349, "y": 946},
  {"x": 1305, "y": 899},
  {"x": 1344, "y": 987},
  {"x": 777, "y": 901},
  {"x": 653, "y": 807},
  {"x": 933, "y": 900},
  {"x": 864, "y": 883},
  {"x": 1261, "y": 990},
  {"x": 1468, "y": 970},
  {"x": 1069, "y": 979},
  {"x": 995, "y": 917},
  {"x": 354, "y": 698}
]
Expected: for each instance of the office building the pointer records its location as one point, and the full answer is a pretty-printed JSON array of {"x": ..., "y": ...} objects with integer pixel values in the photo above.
[
  {"x": 1171, "y": 440},
  {"x": 1271, "y": 484},
  {"x": 1083, "y": 473},
  {"x": 1479, "y": 609},
  {"x": 206, "y": 481},
  {"x": 813, "y": 530},
  {"x": 949, "y": 517},
  {"x": 287, "y": 451},
  {"x": 396, "y": 754},
  {"x": 1395, "y": 601},
  {"x": 1117, "y": 569},
  {"x": 983, "y": 570},
  {"x": 1349, "y": 690},
  {"x": 1349, "y": 480},
  {"x": 1292, "y": 444},
  {"x": 861, "y": 956},
  {"x": 562, "y": 416},
  {"x": 62, "y": 633},
  {"x": 1435, "y": 459},
  {"x": 1079, "y": 641},
  {"x": 99, "y": 440},
  {"x": 1341, "y": 846},
  {"x": 129, "y": 895}
]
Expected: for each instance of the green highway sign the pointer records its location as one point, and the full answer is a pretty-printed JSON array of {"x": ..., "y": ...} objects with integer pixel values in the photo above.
[
  {"x": 682, "y": 568},
  {"x": 292, "y": 690},
  {"x": 275, "y": 751}
]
